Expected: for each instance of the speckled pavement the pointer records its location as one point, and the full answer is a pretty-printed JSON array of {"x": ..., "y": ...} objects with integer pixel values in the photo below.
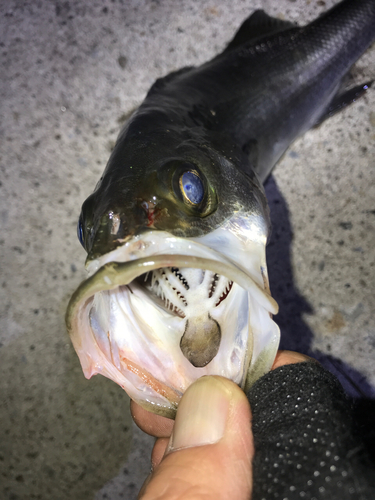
[{"x": 70, "y": 73}]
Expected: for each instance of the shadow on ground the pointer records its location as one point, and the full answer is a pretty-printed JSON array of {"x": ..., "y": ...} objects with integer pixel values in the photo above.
[
  {"x": 62, "y": 436},
  {"x": 295, "y": 333}
]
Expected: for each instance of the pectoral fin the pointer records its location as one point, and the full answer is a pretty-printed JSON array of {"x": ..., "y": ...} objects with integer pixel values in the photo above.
[{"x": 343, "y": 98}]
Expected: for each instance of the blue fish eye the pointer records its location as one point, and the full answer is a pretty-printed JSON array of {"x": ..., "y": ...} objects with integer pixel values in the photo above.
[
  {"x": 80, "y": 232},
  {"x": 192, "y": 187}
]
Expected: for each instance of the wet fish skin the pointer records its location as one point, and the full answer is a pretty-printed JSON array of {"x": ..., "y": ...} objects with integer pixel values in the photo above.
[
  {"x": 225, "y": 123},
  {"x": 137, "y": 184},
  {"x": 231, "y": 118}
]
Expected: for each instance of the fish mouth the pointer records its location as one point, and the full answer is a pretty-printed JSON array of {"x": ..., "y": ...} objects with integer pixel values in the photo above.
[
  {"x": 174, "y": 287},
  {"x": 160, "y": 311},
  {"x": 190, "y": 294}
]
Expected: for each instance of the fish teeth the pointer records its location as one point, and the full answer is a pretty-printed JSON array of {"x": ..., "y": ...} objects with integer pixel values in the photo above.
[
  {"x": 176, "y": 272},
  {"x": 212, "y": 288},
  {"x": 225, "y": 293},
  {"x": 170, "y": 285},
  {"x": 164, "y": 284},
  {"x": 180, "y": 296}
]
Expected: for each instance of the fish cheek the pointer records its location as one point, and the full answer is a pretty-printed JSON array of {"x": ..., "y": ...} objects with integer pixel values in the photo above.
[
  {"x": 201, "y": 340},
  {"x": 170, "y": 216}
]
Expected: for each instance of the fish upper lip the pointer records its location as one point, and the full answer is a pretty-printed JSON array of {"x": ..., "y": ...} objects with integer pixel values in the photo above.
[
  {"x": 157, "y": 249},
  {"x": 111, "y": 275}
]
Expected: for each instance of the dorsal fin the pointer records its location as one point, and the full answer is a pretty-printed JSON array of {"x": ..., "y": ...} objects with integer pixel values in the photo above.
[
  {"x": 258, "y": 25},
  {"x": 161, "y": 82}
]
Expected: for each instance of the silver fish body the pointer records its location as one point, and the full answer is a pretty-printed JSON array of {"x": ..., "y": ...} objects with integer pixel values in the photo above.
[{"x": 177, "y": 226}]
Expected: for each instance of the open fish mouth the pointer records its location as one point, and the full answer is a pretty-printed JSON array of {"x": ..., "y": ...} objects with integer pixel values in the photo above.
[
  {"x": 159, "y": 311},
  {"x": 191, "y": 294}
]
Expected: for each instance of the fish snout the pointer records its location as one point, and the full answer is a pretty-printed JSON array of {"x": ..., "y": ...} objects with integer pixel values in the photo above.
[{"x": 114, "y": 227}]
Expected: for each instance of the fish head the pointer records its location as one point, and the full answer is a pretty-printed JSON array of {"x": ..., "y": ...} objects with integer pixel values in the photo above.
[
  {"x": 154, "y": 185},
  {"x": 175, "y": 233}
]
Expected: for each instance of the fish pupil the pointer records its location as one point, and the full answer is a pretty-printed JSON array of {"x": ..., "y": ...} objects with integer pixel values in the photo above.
[
  {"x": 80, "y": 233},
  {"x": 192, "y": 187}
]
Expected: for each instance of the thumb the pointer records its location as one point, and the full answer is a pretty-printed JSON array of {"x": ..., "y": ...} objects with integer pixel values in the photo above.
[{"x": 210, "y": 451}]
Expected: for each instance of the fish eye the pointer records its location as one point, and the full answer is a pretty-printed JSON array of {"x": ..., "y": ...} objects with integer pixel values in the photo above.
[
  {"x": 191, "y": 187},
  {"x": 80, "y": 232}
]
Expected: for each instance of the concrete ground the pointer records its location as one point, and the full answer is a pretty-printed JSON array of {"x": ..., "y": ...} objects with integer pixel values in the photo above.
[{"x": 70, "y": 73}]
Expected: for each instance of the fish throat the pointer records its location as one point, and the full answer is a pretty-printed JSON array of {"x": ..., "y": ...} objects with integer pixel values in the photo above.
[{"x": 191, "y": 294}]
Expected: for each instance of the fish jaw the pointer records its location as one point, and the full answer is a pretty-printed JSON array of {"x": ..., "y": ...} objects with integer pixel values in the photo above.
[{"x": 155, "y": 344}]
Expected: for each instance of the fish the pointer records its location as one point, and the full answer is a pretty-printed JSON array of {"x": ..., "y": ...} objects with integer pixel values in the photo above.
[{"x": 177, "y": 226}]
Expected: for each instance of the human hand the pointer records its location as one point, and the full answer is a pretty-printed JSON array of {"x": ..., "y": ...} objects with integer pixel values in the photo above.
[{"x": 207, "y": 451}]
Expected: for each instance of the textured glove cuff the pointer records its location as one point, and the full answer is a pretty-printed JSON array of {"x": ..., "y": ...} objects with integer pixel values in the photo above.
[{"x": 303, "y": 436}]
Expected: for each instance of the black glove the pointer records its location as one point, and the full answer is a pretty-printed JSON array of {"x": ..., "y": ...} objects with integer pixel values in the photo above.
[{"x": 305, "y": 440}]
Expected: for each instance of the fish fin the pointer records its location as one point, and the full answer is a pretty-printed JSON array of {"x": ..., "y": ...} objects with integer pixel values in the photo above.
[
  {"x": 257, "y": 25},
  {"x": 342, "y": 99},
  {"x": 161, "y": 82}
]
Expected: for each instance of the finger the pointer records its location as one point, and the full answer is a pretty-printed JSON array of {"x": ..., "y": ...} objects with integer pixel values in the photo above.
[
  {"x": 148, "y": 422},
  {"x": 211, "y": 448},
  {"x": 158, "y": 451},
  {"x": 158, "y": 426},
  {"x": 289, "y": 358}
]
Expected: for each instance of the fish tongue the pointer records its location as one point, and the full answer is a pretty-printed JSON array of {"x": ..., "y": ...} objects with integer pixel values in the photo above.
[
  {"x": 201, "y": 340},
  {"x": 202, "y": 336}
]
